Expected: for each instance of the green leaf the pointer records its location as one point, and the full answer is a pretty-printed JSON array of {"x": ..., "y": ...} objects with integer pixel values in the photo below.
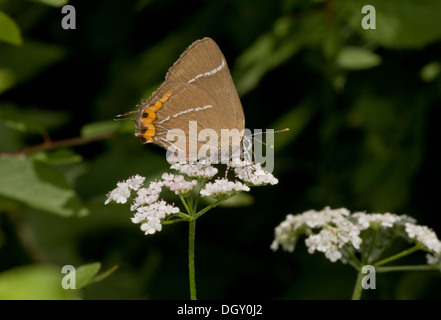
[
  {"x": 33, "y": 282},
  {"x": 85, "y": 273},
  {"x": 357, "y": 58},
  {"x": 88, "y": 274},
  {"x": 103, "y": 275},
  {"x": 9, "y": 31},
  {"x": 99, "y": 128},
  {"x": 39, "y": 186},
  {"x": 52, "y": 3}
]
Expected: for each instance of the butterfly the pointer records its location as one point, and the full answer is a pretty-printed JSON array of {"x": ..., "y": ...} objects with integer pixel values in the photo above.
[{"x": 194, "y": 107}]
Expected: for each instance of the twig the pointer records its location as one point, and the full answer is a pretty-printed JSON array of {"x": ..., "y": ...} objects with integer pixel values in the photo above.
[{"x": 49, "y": 145}]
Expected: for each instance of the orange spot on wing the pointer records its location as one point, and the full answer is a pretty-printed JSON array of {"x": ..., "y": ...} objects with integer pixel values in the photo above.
[
  {"x": 156, "y": 106},
  {"x": 151, "y": 130},
  {"x": 149, "y": 115},
  {"x": 165, "y": 97}
]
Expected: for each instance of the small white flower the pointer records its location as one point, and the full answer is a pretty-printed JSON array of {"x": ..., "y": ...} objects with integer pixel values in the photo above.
[
  {"x": 150, "y": 216},
  {"x": 385, "y": 220},
  {"x": 156, "y": 186},
  {"x": 147, "y": 195},
  {"x": 424, "y": 235},
  {"x": 252, "y": 173},
  {"x": 178, "y": 184},
  {"x": 222, "y": 188},
  {"x": 433, "y": 259},
  {"x": 120, "y": 194},
  {"x": 135, "y": 182},
  {"x": 198, "y": 170},
  {"x": 151, "y": 226},
  {"x": 168, "y": 177},
  {"x": 123, "y": 190},
  {"x": 336, "y": 232}
]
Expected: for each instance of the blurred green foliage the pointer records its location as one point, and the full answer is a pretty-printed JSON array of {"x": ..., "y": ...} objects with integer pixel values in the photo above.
[{"x": 363, "y": 107}]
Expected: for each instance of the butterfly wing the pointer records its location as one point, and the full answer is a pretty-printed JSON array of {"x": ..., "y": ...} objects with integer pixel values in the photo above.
[
  {"x": 198, "y": 90},
  {"x": 204, "y": 65}
]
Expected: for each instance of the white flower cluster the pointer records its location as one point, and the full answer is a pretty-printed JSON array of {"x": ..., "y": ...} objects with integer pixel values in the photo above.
[
  {"x": 146, "y": 196},
  {"x": 434, "y": 259},
  {"x": 336, "y": 232},
  {"x": 178, "y": 184},
  {"x": 122, "y": 192},
  {"x": 425, "y": 236},
  {"x": 379, "y": 220},
  {"x": 199, "y": 170},
  {"x": 150, "y": 216},
  {"x": 329, "y": 230},
  {"x": 252, "y": 173},
  {"x": 150, "y": 210},
  {"x": 222, "y": 188}
]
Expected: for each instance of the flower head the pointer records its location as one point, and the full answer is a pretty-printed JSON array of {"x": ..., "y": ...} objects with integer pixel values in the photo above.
[
  {"x": 379, "y": 220},
  {"x": 336, "y": 231},
  {"x": 150, "y": 211},
  {"x": 222, "y": 188},
  {"x": 150, "y": 216},
  {"x": 178, "y": 184},
  {"x": 252, "y": 173},
  {"x": 425, "y": 236},
  {"x": 123, "y": 190},
  {"x": 198, "y": 170}
]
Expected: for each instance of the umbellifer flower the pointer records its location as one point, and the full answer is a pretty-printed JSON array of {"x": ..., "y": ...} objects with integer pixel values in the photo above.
[
  {"x": 334, "y": 232},
  {"x": 151, "y": 211}
]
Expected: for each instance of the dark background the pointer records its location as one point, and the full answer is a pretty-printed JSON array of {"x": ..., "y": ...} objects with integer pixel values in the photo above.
[{"x": 364, "y": 135}]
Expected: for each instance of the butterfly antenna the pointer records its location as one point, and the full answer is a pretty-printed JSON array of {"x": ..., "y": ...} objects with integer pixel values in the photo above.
[
  {"x": 259, "y": 133},
  {"x": 119, "y": 117}
]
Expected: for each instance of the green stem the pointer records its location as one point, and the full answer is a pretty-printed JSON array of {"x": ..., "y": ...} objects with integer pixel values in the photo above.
[
  {"x": 182, "y": 215},
  {"x": 191, "y": 269},
  {"x": 356, "y": 295},
  {"x": 174, "y": 221},
  {"x": 208, "y": 208},
  {"x": 186, "y": 205},
  {"x": 354, "y": 260},
  {"x": 397, "y": 256},
  {"x": 408, "y": 268},
  {"x": 383, "y": 248},
  {"x": 371, "y": 247}
]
